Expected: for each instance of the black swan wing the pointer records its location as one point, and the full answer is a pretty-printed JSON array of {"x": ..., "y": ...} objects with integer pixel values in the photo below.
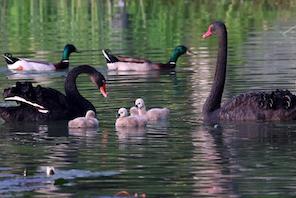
[
  {"x": 275, "y": 105},
  {"x": 36, "y": 103}
]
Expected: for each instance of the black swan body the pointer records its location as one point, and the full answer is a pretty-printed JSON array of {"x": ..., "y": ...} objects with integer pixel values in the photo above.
[
  {"x": 251, "y": 106},
  {"x": 44, "y": 104}
]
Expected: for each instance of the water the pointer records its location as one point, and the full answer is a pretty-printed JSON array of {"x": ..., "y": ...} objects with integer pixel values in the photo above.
[{"x": 181, "y": 158}]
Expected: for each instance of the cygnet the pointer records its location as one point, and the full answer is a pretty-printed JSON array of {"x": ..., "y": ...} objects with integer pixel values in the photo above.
[
  {"x": 134, "y": 111},
  {"x": 124, "y": 120},
  {"x": 154, "y": 114},
  {"x": 89, "y": 121}
]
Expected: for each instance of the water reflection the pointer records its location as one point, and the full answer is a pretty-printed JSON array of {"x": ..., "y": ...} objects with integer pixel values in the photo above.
[
  {"x": 146, "y": 74},
  {"x": 83, "y": 132},
  {"x": 235, "y": 154},
  {"x": 120, "y": 18},
  {"x": 276, "y": 132},
  {"x": 182, "y": 158},
  {"x": 130, "y": 135},
  {"x": 58, "y": 129},
  {"x": 213, "y": 161},
  {"x": 41, "y": 78},
  {"x": 201, "y": 86}
]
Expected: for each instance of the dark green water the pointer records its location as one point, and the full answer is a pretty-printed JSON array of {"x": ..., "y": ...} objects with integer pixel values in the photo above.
[{"x": 181, "y": 158}]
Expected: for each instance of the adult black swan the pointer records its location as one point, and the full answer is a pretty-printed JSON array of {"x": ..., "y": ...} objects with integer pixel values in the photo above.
[
  {"x": 275, "y": 105},
  {"x": 43, "y": 104}
]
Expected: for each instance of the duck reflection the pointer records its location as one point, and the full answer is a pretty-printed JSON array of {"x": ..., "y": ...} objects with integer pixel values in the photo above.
[
  {"x": 44, "y": 78},
  {"x": 136, "y": 75}
]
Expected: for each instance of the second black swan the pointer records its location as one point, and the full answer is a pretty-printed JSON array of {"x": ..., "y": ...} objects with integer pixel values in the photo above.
[
  {"x": 43, "y": 104},
  {"x": 251, "y": 106}
]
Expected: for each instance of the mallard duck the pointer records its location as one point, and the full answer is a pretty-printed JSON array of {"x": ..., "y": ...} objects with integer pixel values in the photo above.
[
  {"x": 122, "y": 63},
  {"x": 19, "y": 64}
]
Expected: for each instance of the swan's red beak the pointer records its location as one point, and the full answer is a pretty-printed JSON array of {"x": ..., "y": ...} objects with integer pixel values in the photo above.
[
  {"x": 103, "y": 90},
  {"x": 208, "y": 33}
]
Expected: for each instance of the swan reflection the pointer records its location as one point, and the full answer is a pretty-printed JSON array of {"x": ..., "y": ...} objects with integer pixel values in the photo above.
[{"x": 209, "y": 153}]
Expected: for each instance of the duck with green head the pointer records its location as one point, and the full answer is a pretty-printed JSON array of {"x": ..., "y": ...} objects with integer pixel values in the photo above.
[
  {"x": 19, "y": 64},
  {"x": 122, "y": 63}
]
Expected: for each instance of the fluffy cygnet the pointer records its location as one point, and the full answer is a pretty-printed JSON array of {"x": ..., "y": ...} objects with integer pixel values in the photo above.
[
  {"x": 154, "y": 114},
  {"x": 89, "y": 121},
  {"x": 134, "y": 111},
  {"x": 124, "y": 120}
]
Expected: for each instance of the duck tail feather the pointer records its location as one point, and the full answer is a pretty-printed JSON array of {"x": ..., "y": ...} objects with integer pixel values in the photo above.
[
  {"x": 10, "y": 59},
  {"x": 109, "y": 57}
]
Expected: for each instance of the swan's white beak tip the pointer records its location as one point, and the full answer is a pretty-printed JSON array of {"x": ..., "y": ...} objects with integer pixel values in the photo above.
[{"x": 103, "y": 91}]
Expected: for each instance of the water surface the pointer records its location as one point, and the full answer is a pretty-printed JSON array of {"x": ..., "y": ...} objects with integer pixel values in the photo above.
[{"x": 180, "y": 158}]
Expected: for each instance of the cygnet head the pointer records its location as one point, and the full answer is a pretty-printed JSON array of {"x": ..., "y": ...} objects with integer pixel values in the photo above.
[
  {"x": 90, "y": 114},
  {"x": 140, "y": 103},
  {"x": 122, "y": 112},
  {"x": 134, "y": 111}
]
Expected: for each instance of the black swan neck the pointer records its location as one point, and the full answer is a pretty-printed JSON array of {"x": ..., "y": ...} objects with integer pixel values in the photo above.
[
  {"x": 213, "y": 101},
  {"x": 78, "y": 101}
]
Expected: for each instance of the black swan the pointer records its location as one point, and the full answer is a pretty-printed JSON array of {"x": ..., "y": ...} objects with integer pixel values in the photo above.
[
  {"x": 43, "y": 104},
  {"x": 251, "y": 106}
]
